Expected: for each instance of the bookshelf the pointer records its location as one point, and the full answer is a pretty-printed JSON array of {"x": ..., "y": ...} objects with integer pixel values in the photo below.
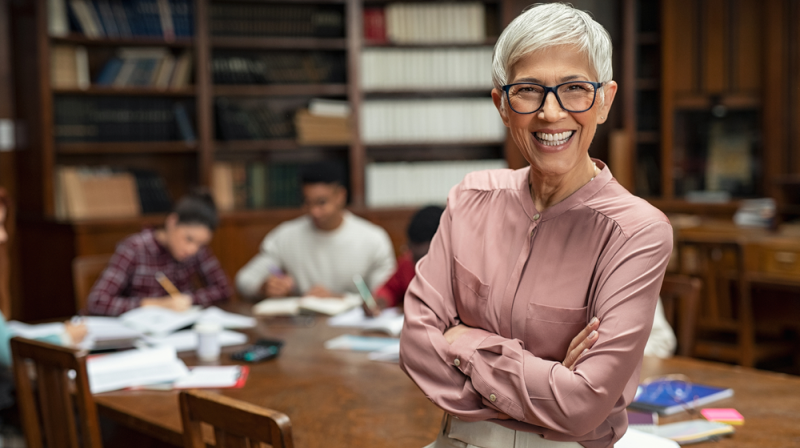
[{"x": 182, "y": 162}]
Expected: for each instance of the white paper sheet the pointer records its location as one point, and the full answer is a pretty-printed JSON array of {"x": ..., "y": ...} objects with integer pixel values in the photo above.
[{"x": 209, "y": 377}]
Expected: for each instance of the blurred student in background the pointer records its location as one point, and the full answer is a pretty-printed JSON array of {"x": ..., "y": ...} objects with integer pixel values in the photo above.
[
  {"x": 179, "y": 251},
  {"x": 318, "y": 253},
  {"x": 420, "y": 232}
]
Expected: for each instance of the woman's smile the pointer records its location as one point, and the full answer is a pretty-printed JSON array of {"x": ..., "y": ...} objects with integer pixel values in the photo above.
[{"x": 553, "y": 140}]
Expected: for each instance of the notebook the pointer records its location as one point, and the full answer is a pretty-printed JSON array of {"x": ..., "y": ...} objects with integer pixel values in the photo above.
[
  {"x": 669, "y": 397},
  {"x": 691, "y": 431}
]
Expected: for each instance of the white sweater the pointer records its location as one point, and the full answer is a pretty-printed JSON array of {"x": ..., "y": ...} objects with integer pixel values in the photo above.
[{"x": 315, "y": 257}]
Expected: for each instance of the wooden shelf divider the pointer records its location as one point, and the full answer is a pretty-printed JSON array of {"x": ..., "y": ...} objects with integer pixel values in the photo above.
[
  {"x": 141, "y": 41},
  {"x": 126, "y": 91},
  {"x": 280, "y": 89},
  {"x": 145, "y": 147},
  {"x": 277, "y": 145},
  {"x": 279, "y": 43}
]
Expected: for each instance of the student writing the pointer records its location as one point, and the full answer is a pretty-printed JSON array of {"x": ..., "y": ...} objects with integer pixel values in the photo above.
[{"x": 179, "y": 251}]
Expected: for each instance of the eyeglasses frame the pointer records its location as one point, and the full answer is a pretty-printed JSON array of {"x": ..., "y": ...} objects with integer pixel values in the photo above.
[{"x": 554, "y": 89}]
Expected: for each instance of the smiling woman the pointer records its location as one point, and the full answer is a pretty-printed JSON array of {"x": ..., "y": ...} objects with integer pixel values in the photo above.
[
  {"x": 178, "y": 251},
  {"x": 527, "y": 320}
]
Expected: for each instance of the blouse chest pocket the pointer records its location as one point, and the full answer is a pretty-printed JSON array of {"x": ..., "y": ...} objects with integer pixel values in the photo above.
[
  {"x": 471, "y": 295},
  {"x": 549, "y": 330}
]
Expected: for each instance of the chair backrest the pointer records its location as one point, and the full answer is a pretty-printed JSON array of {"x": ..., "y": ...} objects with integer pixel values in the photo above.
[
  {"x": 85, "y": 272},
  {"x": 681, "y": 296},
  {"x": 64, "y": 415},
  {"x": 236, "y": 424}
]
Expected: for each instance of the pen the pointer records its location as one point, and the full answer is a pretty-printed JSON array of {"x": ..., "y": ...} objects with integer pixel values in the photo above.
[
  {"x": 276, "y": 271},
  {"x": 167, "y": 285},
  {"x": 364, "y": 292}
]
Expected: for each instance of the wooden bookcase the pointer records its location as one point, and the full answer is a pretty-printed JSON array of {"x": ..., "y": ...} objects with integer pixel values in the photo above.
[{"x": 182, "y": 164}]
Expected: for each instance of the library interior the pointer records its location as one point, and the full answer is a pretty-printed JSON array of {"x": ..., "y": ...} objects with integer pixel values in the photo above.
[{"x": 216, "y": 215}]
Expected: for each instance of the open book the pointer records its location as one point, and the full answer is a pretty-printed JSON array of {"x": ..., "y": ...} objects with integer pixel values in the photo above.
[
  {"x": 134, "y": 368},
  {"x": 291, "y": 306},
  {"x": 101, "y": 332}
]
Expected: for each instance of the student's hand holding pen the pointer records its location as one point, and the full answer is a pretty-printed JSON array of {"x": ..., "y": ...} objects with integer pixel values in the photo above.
[
  {"x": 178, "y": 302},
  {"x": 278, "y": 286},
  {"x": 175, "y": 301}
]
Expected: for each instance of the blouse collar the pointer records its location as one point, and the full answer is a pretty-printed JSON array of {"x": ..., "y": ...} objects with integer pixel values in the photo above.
[{"x": 580, "y": 196}]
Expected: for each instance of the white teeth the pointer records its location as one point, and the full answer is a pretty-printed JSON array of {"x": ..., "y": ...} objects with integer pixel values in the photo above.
[{"x": 553, "y": 139}]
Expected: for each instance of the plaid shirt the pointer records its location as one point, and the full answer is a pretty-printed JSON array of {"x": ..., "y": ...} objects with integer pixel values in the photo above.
[{"x": 130, "y": 276}]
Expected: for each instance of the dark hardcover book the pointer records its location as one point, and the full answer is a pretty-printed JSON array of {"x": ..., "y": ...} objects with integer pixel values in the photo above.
[
  {"x": 182, "y": 17},
  {"x": 109, "y": 72},
  {"x": 121, "y": 18},
  {"x": 153, "y": 194},
  {"x": 185, "y": 128},
  {"x": 113, "y": 119},
  {"x": 149, "y": 17},
  {"x": 670, "y": 396},
  {"x": 106, "y": 16}
]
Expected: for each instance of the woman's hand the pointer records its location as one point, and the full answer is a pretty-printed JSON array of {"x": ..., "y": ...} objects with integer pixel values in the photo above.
[
  {"x": 581, "y": 343},
  {"x": 454, "y": 333}
]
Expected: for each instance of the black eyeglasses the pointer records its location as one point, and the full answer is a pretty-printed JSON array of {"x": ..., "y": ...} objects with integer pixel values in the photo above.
[{"x": 573, "y": 96}]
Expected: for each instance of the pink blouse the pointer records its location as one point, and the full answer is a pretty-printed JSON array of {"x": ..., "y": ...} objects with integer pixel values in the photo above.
[{"x": 528, "y": 282}]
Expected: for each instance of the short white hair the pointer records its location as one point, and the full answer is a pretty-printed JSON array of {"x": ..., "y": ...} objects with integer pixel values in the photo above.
[{"x": 547, "y": 25}]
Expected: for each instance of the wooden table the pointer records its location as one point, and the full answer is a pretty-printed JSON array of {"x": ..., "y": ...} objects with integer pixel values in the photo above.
[{"x": 341, "y": 399}]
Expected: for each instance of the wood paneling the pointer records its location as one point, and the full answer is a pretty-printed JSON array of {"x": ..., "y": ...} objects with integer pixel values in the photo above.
[
  {"x": 714, "y": 20},
  {"x": 679, "y": 45}
]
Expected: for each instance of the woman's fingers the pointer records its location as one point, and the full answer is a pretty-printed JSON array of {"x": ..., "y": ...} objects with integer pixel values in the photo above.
[{"x": 582, "y": 342}]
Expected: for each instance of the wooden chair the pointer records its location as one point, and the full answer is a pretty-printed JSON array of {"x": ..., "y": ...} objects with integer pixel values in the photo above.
[
  {"x": 236, "y": 424},
  {"x": 680, "y": 295},
  {"x": 51, "y": 420},
  {"x": 85, "y": 272}
]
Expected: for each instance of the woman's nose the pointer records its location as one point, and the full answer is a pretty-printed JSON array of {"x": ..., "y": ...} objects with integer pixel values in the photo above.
[{"x": 551, "y": 110}]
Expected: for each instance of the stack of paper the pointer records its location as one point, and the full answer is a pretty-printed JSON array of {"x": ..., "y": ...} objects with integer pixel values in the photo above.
[{"x": 134, "y": 368}]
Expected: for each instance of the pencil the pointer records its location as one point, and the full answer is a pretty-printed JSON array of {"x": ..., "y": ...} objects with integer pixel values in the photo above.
[{"x": 167, "y": 285}]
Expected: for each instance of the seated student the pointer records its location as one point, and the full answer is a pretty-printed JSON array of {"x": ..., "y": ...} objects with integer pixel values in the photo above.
[
  {"x": 662, "y": 341},
  {"x": 420, "y": 232},
  {"x": 318, "y": 253},
  {"x": 179, "y": 251},
  {"x": 72, "y": 334}
]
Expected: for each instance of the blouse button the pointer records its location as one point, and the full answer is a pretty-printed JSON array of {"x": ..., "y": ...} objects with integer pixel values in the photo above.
[
  {"x": 492, "y": 398},
  {"x": 536, "y": 217},
  {"x": 457, "y": 362}
]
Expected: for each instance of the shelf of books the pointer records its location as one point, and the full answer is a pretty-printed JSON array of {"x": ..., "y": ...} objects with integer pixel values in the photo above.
[
  {"x": 427, "y": 117},
  {"x": 212, "y": 87},
  {"x": 123, "y": 99}
]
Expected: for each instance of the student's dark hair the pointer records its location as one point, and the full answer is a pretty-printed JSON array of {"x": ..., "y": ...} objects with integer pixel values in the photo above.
[
  {"x": 197, "y": 207},
  {"x": 322, "y": 173},
  {"x": 424, "y": 223}
]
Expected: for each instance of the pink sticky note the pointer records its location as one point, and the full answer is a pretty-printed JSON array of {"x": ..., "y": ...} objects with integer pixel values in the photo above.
[{"x": 726, "y": 415}]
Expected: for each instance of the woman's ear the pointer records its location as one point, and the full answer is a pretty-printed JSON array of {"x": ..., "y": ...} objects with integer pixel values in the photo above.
[
  {"x": 610, "y": 92},
  {"x": 497, "y": 98}
]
